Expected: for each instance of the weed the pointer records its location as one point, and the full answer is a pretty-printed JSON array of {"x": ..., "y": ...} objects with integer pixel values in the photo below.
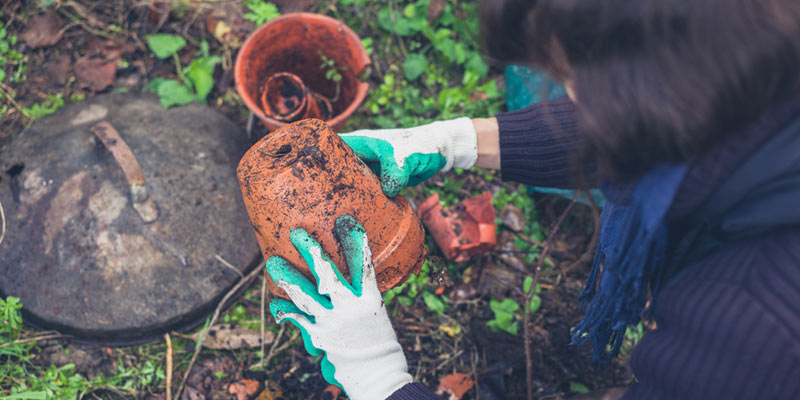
[
  {"x": 261, "y": 11},
  {"x": 536, "y": 301},
  {"x": 194, "y": 82},
  {"x": 633, "y": 334},
  {"x": 52, "y": 103},
  {"x": 12, "y": 62},
  {"x": 505, "y": 316},
  {"x": 417, "y": 285}
]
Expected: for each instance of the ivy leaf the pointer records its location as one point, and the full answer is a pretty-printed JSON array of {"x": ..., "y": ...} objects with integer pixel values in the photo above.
[
  {"x": 434, "y": 303},
  {"x": 172, "y": 93},
  {"x": 477, "y": 65},
  {"x": 536, "y": 302},
  {"x": 414, "y": 66},
  {"x": 164, "y": 45}
]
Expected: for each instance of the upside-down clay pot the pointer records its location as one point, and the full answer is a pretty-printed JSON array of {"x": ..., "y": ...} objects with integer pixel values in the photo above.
[
  {"x": 304, "y": 176},
  {"x": 296, "y": 43}
]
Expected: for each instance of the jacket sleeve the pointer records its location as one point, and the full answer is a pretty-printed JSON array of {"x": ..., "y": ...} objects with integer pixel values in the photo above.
[
  {"x": 538, "y": 144},
  {"x": 413, "y": 391}
]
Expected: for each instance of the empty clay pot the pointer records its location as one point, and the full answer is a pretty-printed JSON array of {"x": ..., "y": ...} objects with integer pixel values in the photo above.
[
  {"x": 296, "y": 43},
  {"x": 287, "y": 99},
  {"x": 304, "y": 176}
]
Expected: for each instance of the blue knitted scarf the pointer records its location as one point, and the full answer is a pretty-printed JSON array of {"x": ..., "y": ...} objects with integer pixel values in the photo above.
[{"x": 630, "y": 256}]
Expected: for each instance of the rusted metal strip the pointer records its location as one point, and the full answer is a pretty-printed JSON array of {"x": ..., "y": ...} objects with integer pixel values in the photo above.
[{"x": 125, "y": 159}]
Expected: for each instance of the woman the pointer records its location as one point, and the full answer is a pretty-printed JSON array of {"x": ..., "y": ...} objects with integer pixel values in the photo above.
[{"x": 687, "y": 115}]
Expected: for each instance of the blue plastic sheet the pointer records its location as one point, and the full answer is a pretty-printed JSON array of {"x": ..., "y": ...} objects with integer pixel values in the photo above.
[{"x": 526, "y": 86}]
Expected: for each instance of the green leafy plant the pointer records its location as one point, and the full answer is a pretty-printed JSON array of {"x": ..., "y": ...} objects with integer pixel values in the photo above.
[
  {"x": 536, "y": 301},
  {"x": 633, "y": 334},
  {"x": 444, "y": 73},
  {"x": 505, "y": 318},
  {"x": 12, "y": 62},
  {"x": 195, "y": 81},
  {"x": 261, "y": 11},
  {"x": 10, "y": 318},
  {"x": 52, "y": 103},
  {"x": 332, "y": 73},
  {"x": 417, "y": 285}
]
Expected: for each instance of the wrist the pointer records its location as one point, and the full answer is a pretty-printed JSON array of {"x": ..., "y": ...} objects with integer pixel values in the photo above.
[{"x": 461, "y": 148}]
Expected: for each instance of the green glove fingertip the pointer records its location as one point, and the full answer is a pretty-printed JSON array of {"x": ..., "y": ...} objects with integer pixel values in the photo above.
[
  {"x": 351, "y": 236},
  {"x": 304, "y": 243},
  {"x": 284, "y": 310},
  {"x": 281, "y": 270}
]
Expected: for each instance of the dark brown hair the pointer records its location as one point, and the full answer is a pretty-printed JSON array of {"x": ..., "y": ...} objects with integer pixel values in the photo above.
[{"x": 656, "y": 80}]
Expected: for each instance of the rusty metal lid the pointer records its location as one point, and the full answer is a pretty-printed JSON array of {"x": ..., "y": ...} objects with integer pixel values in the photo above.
[{"x": 118, "y": 215}]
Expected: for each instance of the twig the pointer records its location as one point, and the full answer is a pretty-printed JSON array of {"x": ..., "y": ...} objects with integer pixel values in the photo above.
[
  {"x": 590, "y": 248},
  {"x": 529, "y": 239},
  {"x": 33, "y": 339},
  {"x": 3, "y": 227},
  {"x": 169, "y": 365},
  {"x": 229, "y": 265},
  {"x": 529, "y": 295},
  {"x": 273, "y": 349},
  {"x": 199, "y": 345}
]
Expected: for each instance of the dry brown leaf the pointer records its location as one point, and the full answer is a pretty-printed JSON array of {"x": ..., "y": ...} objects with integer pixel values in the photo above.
[
  {"x": 334, "y": 391},
  {"x": 96, "y": 73},
  {"x": 244, "y": 389},
  {"x": 435, "y": 9},
  {"x": 513, "y": 218},
  {"x": 58, "y": 70},
  {"x": 229, "y": 337},
  {"x": 227, "y": 23},
  {"x": 455, "y": 386},
  {"x": 43, "y": 30},
  {"x": 190, "y": 393}
]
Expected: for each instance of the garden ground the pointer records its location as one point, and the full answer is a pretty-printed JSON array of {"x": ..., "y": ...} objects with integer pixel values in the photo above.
[{"x": 464, "y": 318}]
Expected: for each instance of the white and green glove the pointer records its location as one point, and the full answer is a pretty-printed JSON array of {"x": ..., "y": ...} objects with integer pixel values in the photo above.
[
  {"x": 345, "y": 321},
  {"x": 406, "y": 157}
]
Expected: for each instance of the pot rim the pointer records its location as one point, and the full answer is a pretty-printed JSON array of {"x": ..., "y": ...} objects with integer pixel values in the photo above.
[{"x": 252, "y": 104}]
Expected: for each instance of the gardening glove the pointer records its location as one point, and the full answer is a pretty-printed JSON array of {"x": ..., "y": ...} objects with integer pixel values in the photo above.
[
  {"x": 347, "y": 322},
  {"x": 406, "y": 157}
]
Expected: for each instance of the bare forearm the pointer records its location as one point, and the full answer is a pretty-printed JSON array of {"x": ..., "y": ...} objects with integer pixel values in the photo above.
[{"x": 488, "y": 134}]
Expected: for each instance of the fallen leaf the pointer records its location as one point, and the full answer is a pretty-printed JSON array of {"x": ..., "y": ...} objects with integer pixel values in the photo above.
[
  {"x": 455, "y": 385},
  {"x": 508, "y": 252},
  {"x": 58, "y": 70},
  {"x": 43, "y": 30},
  {"x": 334, "y": 392},
  {"x": 271, "y": 392},
  {"x": 244, "y": 389},
  {"x": 96, "y": 73},
  {"x": 108, "y": 49},
  {"x": 435, "y": 9},
  {"x": 513, "y": 218},
  {"x": 227, "y": 23},
  {"x": 230, "y": 337},
  {"x": 451, "y": 331},
  {"x": 497, "y": 280},
  {"x": 190, "y": 393}
]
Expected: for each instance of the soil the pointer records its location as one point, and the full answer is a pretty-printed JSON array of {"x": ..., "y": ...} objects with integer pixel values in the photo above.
[{"x": 495, "y": 360}]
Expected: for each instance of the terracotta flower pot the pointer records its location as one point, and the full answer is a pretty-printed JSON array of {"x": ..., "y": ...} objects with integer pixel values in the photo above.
[
  {"x": 464, "y": 230},
  {"x": 296, "y": 43},
  {"x": 304, "y": 176},
  {"x": 286, "y": 98}
]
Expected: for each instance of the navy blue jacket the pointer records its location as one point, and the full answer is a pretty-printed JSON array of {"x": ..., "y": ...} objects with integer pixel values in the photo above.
[{"x": 728, "y": 323}]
